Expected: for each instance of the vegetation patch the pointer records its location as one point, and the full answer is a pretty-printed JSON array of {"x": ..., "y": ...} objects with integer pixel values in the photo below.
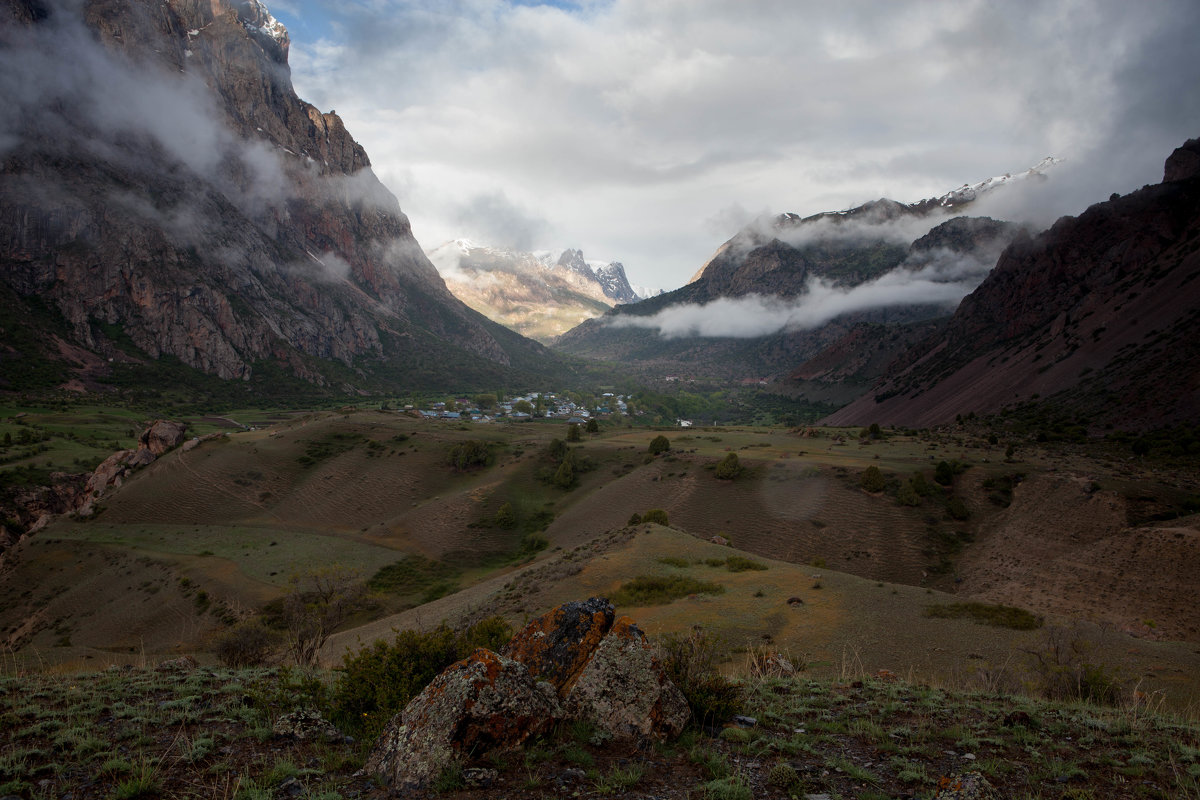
[
  {"x": 658, "y": 590},
  {"x": 329, "y": 446},
  {"x": 412, "y": 575},
  {"x": 996, "y": 615}
]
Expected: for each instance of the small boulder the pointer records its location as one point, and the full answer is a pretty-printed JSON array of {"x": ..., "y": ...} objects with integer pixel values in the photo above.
[
  {"x": 181, "y": 664},
  {"x": 966, "y": 786},
  {"x": 484, "y": 703},
  {"x": 306, "y": 724},
  {"x": 624, "y": 689},
  {"x": 558, "y": 645}
]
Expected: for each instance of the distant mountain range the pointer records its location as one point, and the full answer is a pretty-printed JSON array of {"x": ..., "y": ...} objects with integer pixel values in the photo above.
[
  {"x": 537, "y": 294},
  {"x": 786, "y": 287},
  {"x": 167, "y": 199}
]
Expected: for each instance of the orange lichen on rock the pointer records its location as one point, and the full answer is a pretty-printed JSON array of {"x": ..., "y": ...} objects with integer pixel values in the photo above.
[{"x": 558, "y": 645}]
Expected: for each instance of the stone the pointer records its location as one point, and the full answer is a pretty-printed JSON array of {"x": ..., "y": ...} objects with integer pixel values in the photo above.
[
  {"x": 161, "y": 436},
  {"x": 181, "y": 664},
  {"x": 483, "y": 704},
  {"x": 557, "y": 646},
  {"x": 306, "y": 724},
  {"x": 624, "y": 689},
  {"x": 966, "y": 786}
]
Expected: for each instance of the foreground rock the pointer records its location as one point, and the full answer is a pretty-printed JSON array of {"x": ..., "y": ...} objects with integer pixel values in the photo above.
[
  {"x": 558, "y": 645},
  {"x": 573, "y": 663},
  {"x": 624, "y": 689},
  {"x": 484, "y": 703}
]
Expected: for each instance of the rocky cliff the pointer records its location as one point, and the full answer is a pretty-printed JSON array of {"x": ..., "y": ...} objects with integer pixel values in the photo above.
[
  {"x": 1096, "y": 315},
  {"x": 164, "y": 192}
]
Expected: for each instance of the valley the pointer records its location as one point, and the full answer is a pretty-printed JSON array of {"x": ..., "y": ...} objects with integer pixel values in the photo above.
[{"x": 208, "y": 536}]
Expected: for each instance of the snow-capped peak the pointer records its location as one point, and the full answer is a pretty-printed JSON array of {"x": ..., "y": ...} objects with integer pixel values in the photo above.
[
  {"x": 970, "y": 191},
  {"x": 257, "y": 19}
]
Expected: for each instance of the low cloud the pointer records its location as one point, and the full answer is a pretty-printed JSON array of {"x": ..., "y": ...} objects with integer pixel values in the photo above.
[
  {"x": 492, "y": 218},
  {"x": 936, "y": 278}
]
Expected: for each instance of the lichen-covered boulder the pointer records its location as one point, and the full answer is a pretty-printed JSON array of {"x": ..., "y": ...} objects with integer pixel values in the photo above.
[
  {"x": 484, "y": 703},
  {"x": 558, "y": 645},
  {"x": 624, "y": 689},
  {"x": 966, "y": 786},
  {"x": 305, "y": 723}
]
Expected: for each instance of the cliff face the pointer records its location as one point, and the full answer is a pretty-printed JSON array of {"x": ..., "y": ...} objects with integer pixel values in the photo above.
[
  {"x": 162, "y": 185},
  {"x": 1097, "y": 314}
]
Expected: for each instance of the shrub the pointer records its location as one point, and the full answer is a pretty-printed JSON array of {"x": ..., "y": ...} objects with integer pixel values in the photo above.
[
  {"x": 997, "y": 615},
  {"x": 907, "y": 496},
  {"x": 471, "y": 454},
  {"x": 249, "y": 644},
  {"x": 506, "y": 516},
  {"x": 573, "y": 433},
  {"x": 690, "y": 662},
  {"x": 743, "y": 564},
  {"x": 1066, "y": 670},
  {"x": 658, "y": 590},
  {"x": 378, "y": 681},
  {"x": 919, "y": 484},
  {"x": 657, "y": 516},
  {"x": 944, "y": 473},
  {"x": 871, "y": 479},
  {"x": 634, "y": 519},
  {"x": 957, "y": 509},
  {"x": 659, "y": 444},
  {"x": 729, "y": 468},
  {"x": 317, "y": 602}
]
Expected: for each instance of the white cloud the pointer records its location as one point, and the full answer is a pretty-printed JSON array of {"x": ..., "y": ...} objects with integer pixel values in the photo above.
[{"x": 628, "y": 126}]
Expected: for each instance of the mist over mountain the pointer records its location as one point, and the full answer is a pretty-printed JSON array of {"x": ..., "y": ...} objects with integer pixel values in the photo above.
[
  {"x": 785, "y": 287},
  {"x": 1096, "y": 316},
  {"x": 165, "y": 193}
]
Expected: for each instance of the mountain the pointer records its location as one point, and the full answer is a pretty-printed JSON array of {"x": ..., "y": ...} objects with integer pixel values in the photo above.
[
  {"x": 784, "y": 288},
  {"x": 1096, "y": 316},
  {"x": 531, "y": 293},
  {"x": 167, "y": 199}
]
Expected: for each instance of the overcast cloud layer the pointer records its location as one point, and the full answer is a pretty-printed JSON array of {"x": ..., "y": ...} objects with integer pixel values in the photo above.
[{"x": 646, "y": 132}]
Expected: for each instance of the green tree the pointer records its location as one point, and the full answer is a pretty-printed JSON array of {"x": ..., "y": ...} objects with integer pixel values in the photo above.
[
  {"x": 729, "y": 468},
  {"x": 573, "y": 433},
  {"x": 523, "y": 407},
  {"x": 659, "y": 444},
  {"x": 506, "y": 516},
  {"x": 564, "y": 476},
  {"x": 593, "y": 426},
  {"x": 7, "y": 439},
  {"x": 919, "y": 484},
  {"x": 944, "y": 473},
  {"x": 557, "y": 449},
  {"x": 872, "y": 479},
  {"x": 485, "y": 401},
  {"x": 470, "y": 454}
]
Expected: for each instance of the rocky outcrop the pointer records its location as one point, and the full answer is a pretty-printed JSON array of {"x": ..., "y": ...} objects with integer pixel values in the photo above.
[
  {"x": 558, "y": 645},
  {"x": 484, "y": 703},
  {"x": 160, "y": 437},
  {"x": 575, "y": 662},
  {"x": 624, "y": 689},
  {"x": 164, "y": 192}
]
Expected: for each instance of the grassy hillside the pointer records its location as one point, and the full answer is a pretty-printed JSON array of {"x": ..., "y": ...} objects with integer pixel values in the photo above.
[{"x": 213, "y": 535}]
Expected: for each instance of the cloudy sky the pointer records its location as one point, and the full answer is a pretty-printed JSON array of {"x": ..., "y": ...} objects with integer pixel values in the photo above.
[{"x": 649, "y": 131}]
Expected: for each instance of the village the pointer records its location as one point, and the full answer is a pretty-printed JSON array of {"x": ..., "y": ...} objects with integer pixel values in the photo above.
[{"x": 534, "y": 405}]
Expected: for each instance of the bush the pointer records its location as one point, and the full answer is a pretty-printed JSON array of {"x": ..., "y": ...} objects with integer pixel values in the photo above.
[
  {"x": 957, "y": 509},
  {"x": 871, "y": 479},
  {"x": 469, "y": 455},
  {"x": 659, "y": 444},
  {"x": 573, "y": 433},
  {"x": 1066, "y": 670},
  {"x": 657, "y": 516},
  {"x": 690, "y": 662},
  {"x": 377, "y": 682},
  {"x": 742, "y": 564},
  {"x": 729, "y": 468},
  {"x": 907, "y": 496},
  {"x": 250, "y": 644},
  {"x": 658, "y": 590},
  {"x": 634, "y": 519},
  {"x": 999, "y": 616},
  {"x": 944, "y": 473},
  {"x": 506, "y": 516}
]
